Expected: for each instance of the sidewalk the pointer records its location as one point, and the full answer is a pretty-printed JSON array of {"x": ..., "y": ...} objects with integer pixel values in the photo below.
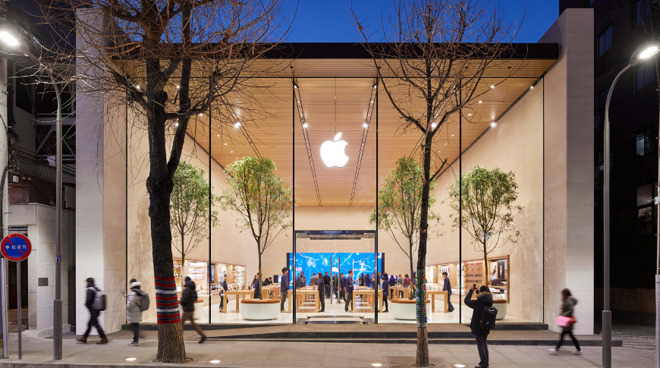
[{"x": 245, "y": 353}]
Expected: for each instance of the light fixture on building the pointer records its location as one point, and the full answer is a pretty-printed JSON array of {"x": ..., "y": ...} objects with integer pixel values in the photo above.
[
  {"x": 237, "y": 124},
  {"x": 200, "y": 114},
  {"x": 376, "y": 365},
  {"x": 469, "y": 114},
  {"x": 365, "y": 125},
  {"x": 481, "y": 101},
  {"x": 459, "y": 365},
  {"x": 492, "y": 86},
  {"x": 9, "y": 38},
  {"x": 531, "y": 87},
  {"x": 305, "y": 125},
  {"x": 176, "y": 125},
  {"x": 178, "y": 86},
  {"x": 214, "y": 361},
  {"x": 493, "y": 124},
  {"x": 131, "y": 359},
  {"x": 433, "y": 125},
  {"x": 217, "y": 135},
  {"x": 225, "y": 143}
]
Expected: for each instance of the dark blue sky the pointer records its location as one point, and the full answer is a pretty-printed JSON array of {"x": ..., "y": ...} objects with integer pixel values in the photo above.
[{"x": 331, "y": 20}]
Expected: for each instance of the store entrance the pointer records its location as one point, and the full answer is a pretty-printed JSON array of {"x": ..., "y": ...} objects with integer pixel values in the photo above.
[{"x": 336, "y": 278}]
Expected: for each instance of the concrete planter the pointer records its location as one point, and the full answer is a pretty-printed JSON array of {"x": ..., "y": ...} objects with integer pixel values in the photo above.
[
  {"x": 406, "y": 309},
  {"x": 260, "y": 310},
  {"x": 501, "y": 306}
]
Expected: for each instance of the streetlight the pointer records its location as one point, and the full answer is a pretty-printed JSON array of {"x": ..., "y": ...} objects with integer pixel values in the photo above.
[
  {"x": 644, "y": 53},
  {"x": 8, "y": 38}
]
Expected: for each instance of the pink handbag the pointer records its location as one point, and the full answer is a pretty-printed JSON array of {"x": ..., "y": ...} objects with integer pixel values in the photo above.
[{"x": 563, "y": 321}]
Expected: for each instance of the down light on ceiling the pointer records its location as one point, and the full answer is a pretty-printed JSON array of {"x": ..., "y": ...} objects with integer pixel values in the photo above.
[
  {"x": 332, "y": 152},
  {"x": 433, "y": 125},
  {"x": 470, "y": 114},
  {"x": 531, "y": 87},
  {"x": 178, "y": 86},
  {"x": 176, "y": 125},
  {"x": 131, "y": 359},
  {"x": 459, "y": 365},
  {"x": 237, "y": 124},
  {"x": 481, "y": 101},
  {"x": 214, "y": 361},
  {"x": 365, "y": 125},
  {"x": 492, "y": 86},
  {"x": 376, "y": 365},
  {"x": 305, "y": 125},
  {"x": 493, "y": 124}
]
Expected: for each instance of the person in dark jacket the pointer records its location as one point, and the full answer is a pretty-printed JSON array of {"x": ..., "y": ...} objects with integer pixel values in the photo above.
[
  {"x": 335, "y": 286},
  {"x": 386, "y": 290},
  {"x": 301, "y": 281},
  {"x": 188, "y": 299},
  {"x": 447, "y": 287},
  {"x": 255, "y": 287},
  {"x": 284, "y": 287},
  {"x": 223, "y": 288},
  {"x": 93, "y": 314},
  {"x": 568, "y": 303},
  {"x": 349, "y": 291},
  {"x": 342, "y": 287},
  {"x": 327, "y": 282},
  {"x": 484, "y": 299},
  {"x": 392, "y": 281},
  {"x": 321, "y": 286}
]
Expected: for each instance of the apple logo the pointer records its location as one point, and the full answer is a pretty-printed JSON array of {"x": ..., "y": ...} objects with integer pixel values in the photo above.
[{"x": 332, "y": 152}]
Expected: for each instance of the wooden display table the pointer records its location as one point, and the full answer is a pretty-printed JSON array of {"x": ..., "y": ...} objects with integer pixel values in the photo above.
[
  {"x": 367, "y": 295},
  {"x": 395, "y": 290},
  {"x": 245, "y": 294},
  {"x": 271, "y": 291},
  {"x": 432, "y": 294},
  {"x": 304, "y": 294}
]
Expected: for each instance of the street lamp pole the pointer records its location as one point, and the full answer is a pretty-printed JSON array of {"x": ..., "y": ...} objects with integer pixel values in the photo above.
[{"x": 644, "y": 53}]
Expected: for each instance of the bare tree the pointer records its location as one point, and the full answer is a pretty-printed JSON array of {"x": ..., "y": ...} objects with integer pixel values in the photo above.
[
  {"x": 173, "y": 59},
  {"x": 435, "y": 56}
]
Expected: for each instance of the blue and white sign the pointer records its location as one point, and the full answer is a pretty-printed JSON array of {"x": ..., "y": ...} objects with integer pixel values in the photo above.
[{"x": 16, "y": 247}]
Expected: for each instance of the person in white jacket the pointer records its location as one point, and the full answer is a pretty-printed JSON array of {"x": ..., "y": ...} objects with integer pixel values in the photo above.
[{"x": 135, "y": 304}]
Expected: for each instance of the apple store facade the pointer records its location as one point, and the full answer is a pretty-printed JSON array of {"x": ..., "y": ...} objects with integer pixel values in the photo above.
[{"x": 326, "y": 121}]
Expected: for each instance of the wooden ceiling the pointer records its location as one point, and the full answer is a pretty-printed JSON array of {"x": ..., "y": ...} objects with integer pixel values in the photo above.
[{"x": 270, "y": 124}]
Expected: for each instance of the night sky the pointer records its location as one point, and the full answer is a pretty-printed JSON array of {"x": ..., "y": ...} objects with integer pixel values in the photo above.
[{"x": 331, "y": 20}]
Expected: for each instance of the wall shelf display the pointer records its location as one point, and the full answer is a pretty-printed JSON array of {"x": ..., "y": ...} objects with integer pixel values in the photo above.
[{"x": 473, "y": 273}]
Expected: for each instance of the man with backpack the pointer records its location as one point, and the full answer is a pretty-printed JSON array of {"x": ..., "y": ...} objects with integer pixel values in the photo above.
[
  {"x": 95, "y": 303},
  {"x": 136, "y": 303},
  {"x": 483, "y": 319}
]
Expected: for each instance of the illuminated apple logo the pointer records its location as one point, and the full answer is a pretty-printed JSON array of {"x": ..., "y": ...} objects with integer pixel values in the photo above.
[{"x": 332, "y": 152}]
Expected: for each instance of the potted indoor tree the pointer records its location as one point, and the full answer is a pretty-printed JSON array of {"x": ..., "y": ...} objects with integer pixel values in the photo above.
[
  {"x": 398, "y": 213},
  {"x": 486, "y": 202},
  {"x": 263, "y": 202}
]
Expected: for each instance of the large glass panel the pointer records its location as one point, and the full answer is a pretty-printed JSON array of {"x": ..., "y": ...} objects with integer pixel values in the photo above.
[{"x": 336, "y": 276}]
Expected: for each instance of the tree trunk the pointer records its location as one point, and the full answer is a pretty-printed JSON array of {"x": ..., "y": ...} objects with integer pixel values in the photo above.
[
  {"x": 183, "y": 265},
  {"x": 485, "y": 268},
  {"x": 412, "y": 285},
  {"x": 171, "y": 347},
  {"x": 261, "y": 296}
]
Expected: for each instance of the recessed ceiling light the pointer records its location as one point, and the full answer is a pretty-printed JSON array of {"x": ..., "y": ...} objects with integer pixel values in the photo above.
[
  {"x": 200, "y": 114},
  {"x": 493, "y": 124},
  {"x": 176, "y": 124},
  {"x": 372, "y": 101},
  {"x": 531, "y": 87},
  {"x": 469, "y": 114},
  {"x": 492, "y": 86},
  {"x": 459, "y": 365},
  {"x": 452, "y": 135},
  {"x": 137, "y": 86},
  {"x": 305, "y": 125},
  {"x": 445, "y": 144},
  {"x": 365, "y": 125},
  {"x": 376, "y": 365},
  {"x": 225, "y": 143},
  {"x": 178, "y": 86},
  {"x": 217, "y": 135},
  {"x": 231, "y": 151},
  {"x": 237, "y": 124},
  {"x": 481, "y": 101},
  {"x": 131, "y": 359},
  {"x": 433, "y": 125},
  {"x": 214, "y": 361}
]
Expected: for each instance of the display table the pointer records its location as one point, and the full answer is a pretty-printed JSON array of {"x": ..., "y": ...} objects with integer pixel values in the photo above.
[
  {"x": 271, "y": 291},
  {"x": 245, "y": 294},
  {"x": 432, "y": 294},
  {"x": 397, "y": 289},
  {"x": 305, "y": 294},
  {"x": 367, "y": 296}
]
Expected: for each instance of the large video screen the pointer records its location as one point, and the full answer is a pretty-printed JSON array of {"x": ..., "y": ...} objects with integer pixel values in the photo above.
[{"x": 335, "y": 263}]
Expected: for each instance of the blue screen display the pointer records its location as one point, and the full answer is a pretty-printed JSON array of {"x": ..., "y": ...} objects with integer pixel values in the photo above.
[{"x": 335, "y": 263}]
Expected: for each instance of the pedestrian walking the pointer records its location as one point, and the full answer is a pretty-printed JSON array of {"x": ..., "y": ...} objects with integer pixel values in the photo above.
[
  {"x": 386, "y": 289},
  {"x": 326, "y": 282},
  {"x": 568, "y": 303},
  {"x": 321, "y": 286},
  {"x": 136, "y": 303},
  {"x": 447, "y": 287},
  {"x": 95, "y": 303},
  {"x": 284, "y": 287},
  {"x": 188, "y": 299},
  {"x": 484, "y": 299},
  {"x": 223, "y": 288},
  {"x": 349, "y": 291}
]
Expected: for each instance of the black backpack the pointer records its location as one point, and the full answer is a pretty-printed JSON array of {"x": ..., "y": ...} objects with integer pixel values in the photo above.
[{"x": 487, "y": 319}]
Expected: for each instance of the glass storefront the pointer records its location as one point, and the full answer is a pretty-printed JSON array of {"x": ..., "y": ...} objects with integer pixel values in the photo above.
[{"x": 332, "y": 230}]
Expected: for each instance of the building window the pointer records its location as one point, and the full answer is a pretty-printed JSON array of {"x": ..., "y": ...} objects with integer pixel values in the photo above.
[
  {"x": 641, "y": 11},
  {"x": 604, "y": 41},
  {"x": 643, "y": 144},
  {"x": 644, "y": 76}
]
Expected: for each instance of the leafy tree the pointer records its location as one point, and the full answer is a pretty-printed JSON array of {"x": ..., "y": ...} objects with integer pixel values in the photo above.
[
  {"x": 487, "y": 198},
  {"x": 430, "y": 67},
  {"x": 189, "y": 209},
  {"x": 173, "y": 59},
  {"x": 400, "y": 206},
  {"x": 260, "y": 198}
]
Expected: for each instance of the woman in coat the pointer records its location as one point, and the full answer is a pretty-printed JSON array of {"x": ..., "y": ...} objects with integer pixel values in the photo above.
[
  {"x": 568, "y": 303},
  {"x": 134, "y": 303},
  {"x": 386, "y": 289}
]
